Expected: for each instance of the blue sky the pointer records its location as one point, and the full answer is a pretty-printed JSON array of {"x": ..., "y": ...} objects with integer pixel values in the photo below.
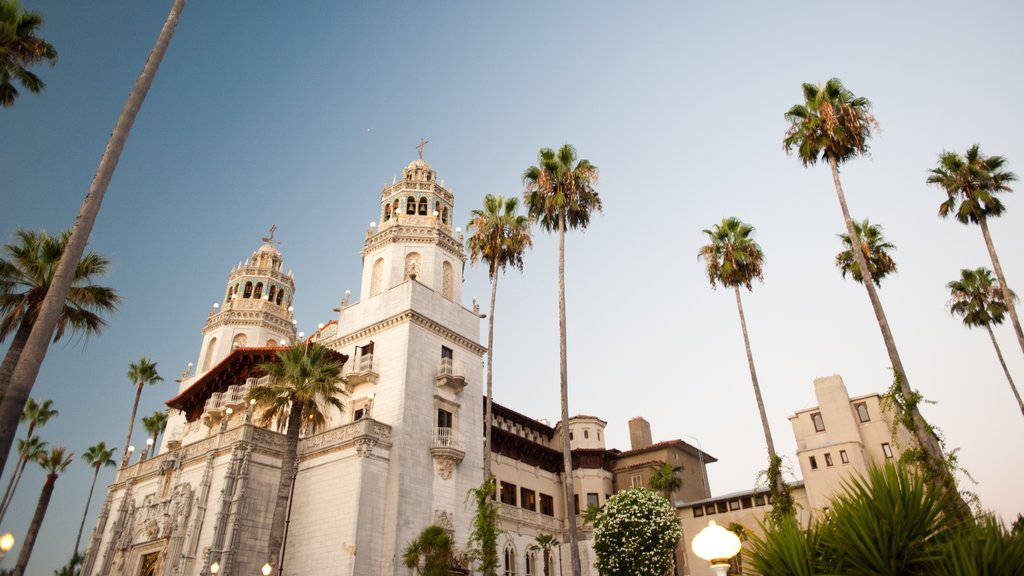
[{"x": 296, "y": 115}]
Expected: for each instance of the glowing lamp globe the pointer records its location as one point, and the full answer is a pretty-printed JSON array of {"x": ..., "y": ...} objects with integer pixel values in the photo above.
[
  {"x": 6, "y": 542},
  {"x": 214, "y": 568},
  {"x": 266, "y": 569},
  {"x": 715, "y": 544}
]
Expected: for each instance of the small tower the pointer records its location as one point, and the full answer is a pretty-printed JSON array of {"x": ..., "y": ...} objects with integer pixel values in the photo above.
[
  {"x": 255, "y": 311},
  {"x": 415, "y": 239}
]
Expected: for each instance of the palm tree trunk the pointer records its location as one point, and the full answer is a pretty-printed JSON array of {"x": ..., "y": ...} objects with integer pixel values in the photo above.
[
  {"x": 489, "y": 417},
  {"x": 285, "y": 483},
  {"x": 13, "y": 354},
  {"x": 923, "y": 433},
  {"x": 19, "y": 468},
  {"x": 131, "y": 426},
  {"x": 33, "y": 528},
  {"x": 25, "y": 373},
  {"x": 88, "y": 500},
  {"x": 1007, "y": 294},
  {"x": 999, "y": 354},
  {"x": 570, "y": 506},
  {"x": 757, "y": 387}
]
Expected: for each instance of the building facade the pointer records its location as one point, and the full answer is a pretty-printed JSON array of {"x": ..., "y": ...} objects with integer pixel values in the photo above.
[{"x": 407, "y": 447}]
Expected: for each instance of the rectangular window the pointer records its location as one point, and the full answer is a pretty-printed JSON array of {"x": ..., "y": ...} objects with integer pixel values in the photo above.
[
  {"x": 709, "y": 509},
  {"x": 734, "y": 505},
  {"x": 444, "y": 418},
  {"x": 698, "y": 511},
  {"x": 746, "y": 501},
  {"x": 828, "y": 459},
  {"x": 527, "y": 499},
  {"x": 358, "y": 414},
  {"x": 592, "y": 499},
  {"x": 722, "y": 507},
  {"x": 842, "y": 456},
  {"x": 635, "y": 481},
  {"x": 814, "y": 463},
  {"x": 508, "y": 493},
  {"x": 862, "y": 412},
  {"x": 446, "y": 352},
  {"x": 576, "y": 502},
  {"x": 758, "y": 499},
  {"x": 547, "y": 505},
  {"x": 819, "y": 424},
  {"x": 886, "y": 450}
]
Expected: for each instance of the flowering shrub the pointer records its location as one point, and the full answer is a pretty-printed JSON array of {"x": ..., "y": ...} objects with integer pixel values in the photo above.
[{"x": 636, "y": 534}]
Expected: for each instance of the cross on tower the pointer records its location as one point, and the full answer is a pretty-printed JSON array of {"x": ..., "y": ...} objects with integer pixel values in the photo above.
[
  {"x": 270, "y": 239},
  {"x": 419, "y": 147}
]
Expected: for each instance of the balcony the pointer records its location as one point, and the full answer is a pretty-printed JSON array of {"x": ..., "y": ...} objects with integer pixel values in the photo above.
[
  {"x": 450, "y": 375},
  {"x": 361, "y": 371},
  {"x": 447, "y": 450}
]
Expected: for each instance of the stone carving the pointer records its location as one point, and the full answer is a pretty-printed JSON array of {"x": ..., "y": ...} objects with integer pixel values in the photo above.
[
  {"x": 412, "y": 265},
  {"x": 443, "y": 519},
  {"x": 445, "y": 466},
  {"x": 446, "y": 280},
  {"x": 364, "y": 446}
]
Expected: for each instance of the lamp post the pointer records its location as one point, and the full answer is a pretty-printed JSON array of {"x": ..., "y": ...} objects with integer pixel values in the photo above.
[
  {"x": 6, "y": 543},
  {"x": 266, "y": 569},
  {"x": 716, "y": 545}
]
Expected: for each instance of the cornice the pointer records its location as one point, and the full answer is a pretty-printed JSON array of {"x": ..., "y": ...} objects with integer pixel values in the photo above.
[
  {"x": 422, "y": 235},
  {"x": 401, "y": 318}
]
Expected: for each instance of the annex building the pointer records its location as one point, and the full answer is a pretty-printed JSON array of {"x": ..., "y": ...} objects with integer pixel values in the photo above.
[{"x": 408, "y": 446}]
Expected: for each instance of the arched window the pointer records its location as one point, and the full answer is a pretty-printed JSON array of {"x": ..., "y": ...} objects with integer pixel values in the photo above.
[
  {"x": 423, "y": 206},
  {"x": 280, "y": 295},
  {"x": 387, "y": 212},
  {"x": 444, "y": 215},
  {"x": 248, "y": 290},
  {"x": 239, "y": 341},
  {"x": 258, "y": 291},
  {"x": 377, "y": 277},
  {"x": 412, "y": 265},
  {"x": 210, "y": 346},
  {"x": 273, "y": 293},
  {"x": 272, "y": 343},
  {"x": 446, "y": 280},
  {"x": 437, "y": 208},
  {"x": 395, "y": 209},
  {"x": 531, "y": 563},
  {"x": 510, "y": 560},
  {"x": 410, "y": 205}
]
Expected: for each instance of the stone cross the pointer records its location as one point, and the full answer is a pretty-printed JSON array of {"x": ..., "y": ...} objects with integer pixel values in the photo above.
[{"x": 419, "y": 147}]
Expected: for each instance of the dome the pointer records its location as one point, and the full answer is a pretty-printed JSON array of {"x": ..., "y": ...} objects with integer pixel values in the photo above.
[
  {"x": 270, "y": 248},
  {"x": 418, "y": 163}
]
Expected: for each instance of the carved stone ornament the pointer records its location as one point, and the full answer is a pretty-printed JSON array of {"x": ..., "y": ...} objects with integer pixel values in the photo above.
[
  {"x": 443, "y": 519},
  {"x": 364, "y": 446},
  {"x": 445, "y": 466}
]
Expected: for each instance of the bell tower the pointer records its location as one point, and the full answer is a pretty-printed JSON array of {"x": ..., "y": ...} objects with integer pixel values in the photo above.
[
  {"x": 256, "y": 309},
  {"x": 415, "y": 239}
]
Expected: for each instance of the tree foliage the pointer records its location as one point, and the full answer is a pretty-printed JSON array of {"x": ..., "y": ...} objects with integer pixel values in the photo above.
[
  {"x": 21, "y": 47},
  {"x": 636, "y": 534},
  {"x": 666, "y": 479},
  {"x": 977, "y": 298},
  {"x": 832, "y": 124},
  {"x": 732, "y": 256},
  {"x": 431, "y": 553},
  {"x": 972, "y": 184},
  {"x": 483, "y": 539},
  {"x": 876, "y": 250}
]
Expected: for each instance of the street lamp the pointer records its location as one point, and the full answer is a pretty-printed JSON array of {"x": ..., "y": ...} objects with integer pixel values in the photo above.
[
  {"x": 6, "y": 543},
  {"x": 214, "y": 568},
  {"x": 266, "y": 569},
  {"x": 716, "y": 545}
]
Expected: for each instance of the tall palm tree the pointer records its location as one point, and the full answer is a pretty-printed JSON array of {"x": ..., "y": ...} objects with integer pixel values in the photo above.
[
  {"x": 499, "y": 236},
  {"x": 833, "y": 124},
  {"x": 53, "y": 463},
  {"x": 302, "y": 385},
  {"x": 978, "y": 300},
  {"x": 20, "y": 48},
  {"x": 734, "y": 259},
  {"x": 26, "y": 272},
  {"x": 96, "y": 456},
  {"x": 36, "y": 415},
  {"x": 876, "y": 253},
  {"x": 140, "y": 373},
  {"x": 561, "y": 193},
  {"x": 433, "y": 547},
  {"x": 972, "y": 183},
  {"x": 545, "y": 543},
  {"x": 32, "y": 355},
  {"x": 155, "y": 424},
  {"x": 666, "y": 479}
]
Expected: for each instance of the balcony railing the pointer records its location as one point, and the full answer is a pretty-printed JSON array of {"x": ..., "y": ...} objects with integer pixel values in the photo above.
[
  {"x": 450, "y": 374},
  {"x": 445, "y": 438},
  {"x": 361, "y": 370}
]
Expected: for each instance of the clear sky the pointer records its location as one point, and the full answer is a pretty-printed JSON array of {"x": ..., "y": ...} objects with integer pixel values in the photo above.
[{"x": 295, "y": 114}]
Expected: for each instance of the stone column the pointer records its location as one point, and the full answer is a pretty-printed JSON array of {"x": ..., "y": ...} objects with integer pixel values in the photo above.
[
  {"x": 188, "y": 558},
  {"x": 216, "y": 548},
  {"x": 124, "y": 513},
  {"x": 229, "y": 558}
]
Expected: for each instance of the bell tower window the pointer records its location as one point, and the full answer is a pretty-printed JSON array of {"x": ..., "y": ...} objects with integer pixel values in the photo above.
[
  {"x": 423, "y": 206},
  {"x": 258, "y": 291},
  {"x": 410, "y": 205},
  {"x": 280, "y": 295},
  {"x": 273, "y": 293},
  {"x": 248, "y": 290},
  {"x": 387, "y": 212},
  {"x": 444, "y": 215}
]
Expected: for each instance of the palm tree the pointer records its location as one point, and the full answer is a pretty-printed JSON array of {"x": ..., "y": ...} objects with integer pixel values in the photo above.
[
  {"x": 54, "y": 463},
  {"x": 32, "y": 355},
  {"x": 972, "y": 183},
  {"x": 96, "y": 456},
  {"x": 876, "y": 253},
  {"x": 835, "y": 125},
  {"x": 499, "y": 235},
  {"x": 37, "y": 415},
  {"x": 734, "y": 259},
  {"x": 544, "y": 543},
  {"x": 155, "y": 424},
  {"x": 978, "y": 300},
  {"x": 26, "y": 272},
  {"x": 140, "y": 373},
  {"x": 302, "y": 385},
  {"x": 20, "y": 48},
  {"x": 666, "y": 479},
  {"x": 561, "y": 193},
  {"x": 433, "y": 547}
]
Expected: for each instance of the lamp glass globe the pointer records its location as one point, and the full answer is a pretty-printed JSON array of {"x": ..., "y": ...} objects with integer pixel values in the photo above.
[
  {"x": 715, "y": 543},
  {"x": 214, "y": 568},
  {"x": 6, "y": 542},
  {"x": 266, "y": 569}
]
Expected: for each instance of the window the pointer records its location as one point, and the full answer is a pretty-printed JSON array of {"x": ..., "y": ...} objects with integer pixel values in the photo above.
[
  {"x": 734, "y": 505},
  {"x": 862, "y": 412},
  {"x": 410, "y": 205},
  {"x": 209, "y": 354},
  {"x": 527, "y": 499},
  {"x": 248, "y": 290},
  {"x": 592, "y": 500},
  {"x": 828, "y": 459},
  {"x": 586, "y": 434},
  {"x": 843, "y": 457},
  {"x": 444, "y": 215},
  {"x": 239, "y": 341},
  {"x": 635, "y": 481},
  {"x": 758, "y": 499},
  {"x": 722, "y": 507},
  {"x": 510, "y": 561},
  {"x": 746, "y": 502},
  {"x": 814, "y": 463},
  {"x": 358, "y": 414},
  {"x": 444, "y": 418},
  {"x": 387, "y": 212},
  {"x": 698, "y": 511},
  {"x": 273, "y": 293},
  {"x": 508, "y": 493},
  {"x": 423, "y": 206},
  {"x": 531, "y": 564},
  {"x": 257, "y": 292},
  {"x": 446, "y": 352},
  {"x": 280, "y": 296},
  {"x": 547, "y": 505},
  {"x": 709, "y": 509},
  {"x": 886, "y": 450},
  {"x": 570, "y": 436},
  {"x": 819, "y": 424},
  {"x": 377, "y": 276},
  {"x": 598, "y": 434}
]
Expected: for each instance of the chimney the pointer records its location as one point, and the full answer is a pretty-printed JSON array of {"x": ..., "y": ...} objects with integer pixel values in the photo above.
[{"x": 639, "y": 433}]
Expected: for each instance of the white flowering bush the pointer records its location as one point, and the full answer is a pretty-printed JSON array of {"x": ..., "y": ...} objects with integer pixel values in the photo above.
[{"x": 636, "y": 534}]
